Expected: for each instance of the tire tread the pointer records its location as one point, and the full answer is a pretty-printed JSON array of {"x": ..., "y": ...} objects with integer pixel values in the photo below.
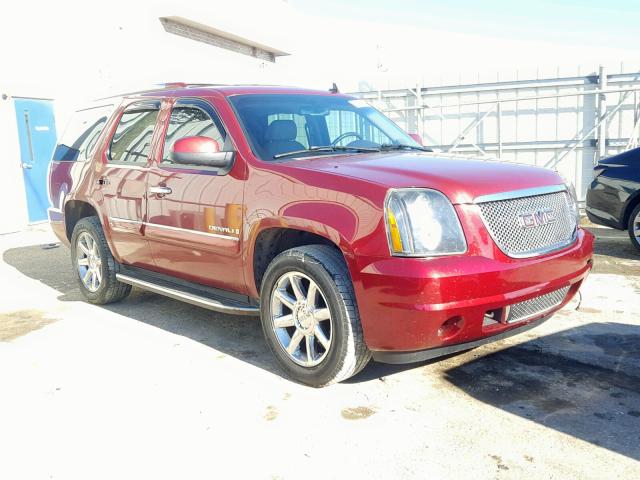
[{"x": 357, "y": 354}]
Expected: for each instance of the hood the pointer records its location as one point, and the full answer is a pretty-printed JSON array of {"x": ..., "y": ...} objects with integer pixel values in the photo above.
[{"x": 460, "y": 179}]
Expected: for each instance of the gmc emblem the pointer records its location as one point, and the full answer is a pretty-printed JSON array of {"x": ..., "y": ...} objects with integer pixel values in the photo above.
[{"x": 536, "y": 219}]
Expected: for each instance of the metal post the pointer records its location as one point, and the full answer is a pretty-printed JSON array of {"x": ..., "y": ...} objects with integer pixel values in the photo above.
[
  {"x": 602, "y": 111},
  {"x": 421, "y": 111},
  {"x": 499, "y": 112},
  {"x": 580, "y": 139},
  {"x": 633, "y": 137}
]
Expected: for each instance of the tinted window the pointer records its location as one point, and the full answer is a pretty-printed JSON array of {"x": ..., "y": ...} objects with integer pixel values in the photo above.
[
  {"x": 192, "y": 121},
  {"x": 131, "y": 142},
  {"x": 82, "y": 133},
  {"x": 344, "y": 122},
  {"x": 301, "y": 125}
]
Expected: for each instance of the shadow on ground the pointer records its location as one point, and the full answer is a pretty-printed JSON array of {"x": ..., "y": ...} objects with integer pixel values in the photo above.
[
  {"x": 238, "y": 336},
  {"x": 595, "y": 404},
  {"x": 599, "y": 404}
]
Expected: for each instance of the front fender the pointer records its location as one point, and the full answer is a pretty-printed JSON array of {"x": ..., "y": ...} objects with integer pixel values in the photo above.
[{"x": 337, "y": 232}]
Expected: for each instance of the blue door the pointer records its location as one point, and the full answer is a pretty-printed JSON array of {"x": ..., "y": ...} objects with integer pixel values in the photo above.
[{"x": 37, "y": 136}]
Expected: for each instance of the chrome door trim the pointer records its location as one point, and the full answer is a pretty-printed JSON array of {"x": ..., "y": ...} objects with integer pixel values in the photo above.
[
  {"x": 525, "y": 192},
  {"x": 124, "y": 220},
  {"x": 124, "y": 165},
  {"x": 160, "y": 190},
  {"x": 188, "y": 297},
  {"x": 175, "y": 229},
  {"x": 178, "y": 229}
]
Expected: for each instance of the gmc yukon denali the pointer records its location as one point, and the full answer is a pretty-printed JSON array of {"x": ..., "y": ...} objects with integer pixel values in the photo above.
[{"x": 314, "y": 211}]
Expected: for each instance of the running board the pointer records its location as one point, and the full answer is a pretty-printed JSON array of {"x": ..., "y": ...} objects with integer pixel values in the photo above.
[{"x": 217, "y": 305}]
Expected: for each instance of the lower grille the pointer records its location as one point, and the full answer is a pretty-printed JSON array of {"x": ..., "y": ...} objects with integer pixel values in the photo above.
[{"x": 536, "y": 306}]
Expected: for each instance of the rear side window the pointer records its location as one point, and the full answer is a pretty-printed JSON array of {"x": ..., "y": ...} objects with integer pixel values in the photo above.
[
  {"x": 80, "y": 138},
  {"x": 131, "y": 143}
]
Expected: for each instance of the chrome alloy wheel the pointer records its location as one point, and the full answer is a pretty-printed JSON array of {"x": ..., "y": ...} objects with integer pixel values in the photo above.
[
  {"x": 88, "y": 262},
  {"x": 301, "y": 319},
  {"x": 636, "y": 227}
]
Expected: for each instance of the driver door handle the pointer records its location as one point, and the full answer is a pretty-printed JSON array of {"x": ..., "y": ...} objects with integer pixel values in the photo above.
[{"x": 160, "y": 190}]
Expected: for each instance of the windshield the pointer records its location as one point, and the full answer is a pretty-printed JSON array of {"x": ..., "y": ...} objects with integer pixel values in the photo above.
[{"x": 278, "y": 124}]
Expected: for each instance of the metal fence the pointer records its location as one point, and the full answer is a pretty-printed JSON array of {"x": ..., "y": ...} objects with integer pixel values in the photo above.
[{"x": 563, "y": 123}]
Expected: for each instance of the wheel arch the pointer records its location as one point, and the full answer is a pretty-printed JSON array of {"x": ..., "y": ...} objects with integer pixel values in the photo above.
[
  {"x": 271, "y": 238},
  {"x": 74, "y": 211},
  {"x": 632, "y": 202}
]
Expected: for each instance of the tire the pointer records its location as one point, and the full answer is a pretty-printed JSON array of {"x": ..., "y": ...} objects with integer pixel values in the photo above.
[
  {"x": 106, "y": 288},
  {"x": 336, "y": 352},
  {"x": 634, "y": 224}
]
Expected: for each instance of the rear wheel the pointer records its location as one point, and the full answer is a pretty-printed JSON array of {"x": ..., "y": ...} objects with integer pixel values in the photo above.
[
  {"x": 634, "y": 227},
  {"x": 310, "y": 317},
  {"x": 94, "y": 265}
]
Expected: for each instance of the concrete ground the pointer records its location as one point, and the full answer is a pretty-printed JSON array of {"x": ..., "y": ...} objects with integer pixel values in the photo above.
[{"x": 153, "y": 388}]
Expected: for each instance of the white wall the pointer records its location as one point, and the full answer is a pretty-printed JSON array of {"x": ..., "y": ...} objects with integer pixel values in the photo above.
[{"x": 74, "y": 51}]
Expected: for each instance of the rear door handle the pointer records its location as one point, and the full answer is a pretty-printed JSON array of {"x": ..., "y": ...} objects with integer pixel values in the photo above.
[
  {"x": 103, "y": 181},
  {"x": 160, "y": 190}
]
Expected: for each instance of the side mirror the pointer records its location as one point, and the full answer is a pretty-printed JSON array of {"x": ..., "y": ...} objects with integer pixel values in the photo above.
[
  {"x": 417, "y": 138},
  {"x": 201, "y": 152}
]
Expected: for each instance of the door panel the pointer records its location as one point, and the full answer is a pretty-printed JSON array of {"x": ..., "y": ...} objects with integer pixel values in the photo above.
[
  {"x": 194, "y": 231},
  {"x": 124, "y": 196},
  {"x": 37, "y": 137},
  {"x": 123, "y": 182}
]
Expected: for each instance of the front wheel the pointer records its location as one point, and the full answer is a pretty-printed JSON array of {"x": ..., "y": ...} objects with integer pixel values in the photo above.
[
  {"x": 634, "y": 227},
  {"x": 310, "y": 316}
]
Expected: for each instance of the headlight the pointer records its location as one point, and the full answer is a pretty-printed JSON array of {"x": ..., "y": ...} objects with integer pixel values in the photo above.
[
  {"x": 422, "y": 223},
  {"x": 573, "y": 198}
]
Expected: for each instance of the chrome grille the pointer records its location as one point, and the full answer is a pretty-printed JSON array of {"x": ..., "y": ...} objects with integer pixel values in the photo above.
[
  {"x": 536, "y": 306},
  {"x": 503, "y": 219}
]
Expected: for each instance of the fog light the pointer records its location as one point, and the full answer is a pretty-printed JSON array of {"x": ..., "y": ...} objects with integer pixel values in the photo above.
[{"x": 451, "y": 327}]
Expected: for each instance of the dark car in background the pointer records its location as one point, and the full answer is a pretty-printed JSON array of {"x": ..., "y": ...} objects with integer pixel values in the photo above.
[{"x": 613, "y": 199}]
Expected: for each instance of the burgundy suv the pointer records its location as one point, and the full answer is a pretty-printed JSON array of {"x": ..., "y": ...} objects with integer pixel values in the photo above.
[{"x": 316, "y": 212}]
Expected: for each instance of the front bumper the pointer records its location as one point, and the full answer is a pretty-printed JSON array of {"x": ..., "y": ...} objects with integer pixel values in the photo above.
[
  {"x": 397, "y": 357},
  {"x": 408, "y": 304}
]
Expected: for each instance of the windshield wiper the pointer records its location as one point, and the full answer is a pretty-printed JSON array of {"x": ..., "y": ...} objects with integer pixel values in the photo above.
[
  {"x": 402, "y": 146},
  {"x": 327, "y": 148}
]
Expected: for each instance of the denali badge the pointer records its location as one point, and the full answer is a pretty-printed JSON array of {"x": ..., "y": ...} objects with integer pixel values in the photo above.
[
  {"x": 216, "y": 228},
  {"x": 536, "y": 219}
]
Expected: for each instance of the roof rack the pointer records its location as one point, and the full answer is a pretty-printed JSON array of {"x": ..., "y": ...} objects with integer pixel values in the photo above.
[
  {"x": 163, "y": 86},
  {"x": 191, "y": 85}
]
